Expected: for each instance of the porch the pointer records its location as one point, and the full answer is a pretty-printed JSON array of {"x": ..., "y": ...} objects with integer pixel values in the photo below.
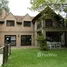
[{"x": 56, "y": 39}]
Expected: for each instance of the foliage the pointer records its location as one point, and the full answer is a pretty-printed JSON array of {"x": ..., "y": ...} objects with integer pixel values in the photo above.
[
  {"x": 40, "y": 4},
  {"x": 65, "y": 9},
  {"x": 4, "y": 4},
  {"x": 42, "y": 42},
  {"x": 65, "y": 20}
]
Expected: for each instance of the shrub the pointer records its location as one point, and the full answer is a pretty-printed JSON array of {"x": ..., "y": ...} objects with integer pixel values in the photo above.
[{"x": 42, "y": 42}]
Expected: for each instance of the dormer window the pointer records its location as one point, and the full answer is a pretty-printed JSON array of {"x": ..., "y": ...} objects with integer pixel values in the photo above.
[
  {"x": 1, "y": 22},
  {"x": 19, "y": 23},
  {"x": 10, "y": 23},
  {"x": 27, "y": 23}
]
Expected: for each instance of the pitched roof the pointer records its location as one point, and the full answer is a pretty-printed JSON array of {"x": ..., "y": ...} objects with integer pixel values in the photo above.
[
  {"x": 32, "y": 17},
  {"x": 1, "y": 19},
  {"x": 46, "y": 10},
  {"x": 19, "y": 18}
]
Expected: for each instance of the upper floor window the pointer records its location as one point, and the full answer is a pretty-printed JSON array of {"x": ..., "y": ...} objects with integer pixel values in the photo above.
[
  {"x": 10, "y": 23},
  {"x": 48, "y": 22},
  {"x": 1, "y": 22},
  {"x": 27, "y": 23}
]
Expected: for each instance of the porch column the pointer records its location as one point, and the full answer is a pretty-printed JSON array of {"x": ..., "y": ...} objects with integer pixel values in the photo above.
[
  {"x": 63, "y": 38},
  {"x": 18, "y": 41},
  {"x": 44, "y": 32},
  {"x": 35, "y": 34},
  {"x": 32, "y": 40}
]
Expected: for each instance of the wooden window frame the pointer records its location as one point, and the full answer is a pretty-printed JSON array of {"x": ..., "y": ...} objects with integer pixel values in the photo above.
[
  {"x": 26, "y": 24},
  {"x": 10, "y": 23}
]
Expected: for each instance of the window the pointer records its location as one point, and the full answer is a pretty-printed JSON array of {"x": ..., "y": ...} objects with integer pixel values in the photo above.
[
  {"x": 1, "y": 22},
  {"x": 10, "y": 39},
  {"x": 26, "y": 40},
  {"x": 10, "y": 23},
  {"x": 13, "y": 40},
  {"x": 48, "y": 22},
  {"x": 27, "y": 23}
]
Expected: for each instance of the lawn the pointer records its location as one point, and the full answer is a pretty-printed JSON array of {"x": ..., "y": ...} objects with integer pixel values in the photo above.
[{"x": 30, "y": 57}]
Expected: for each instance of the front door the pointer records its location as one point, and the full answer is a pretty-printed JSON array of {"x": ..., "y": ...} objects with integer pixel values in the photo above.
[
  {"x": 10, "y": 39},
  {"x": 26, "y": 40}
]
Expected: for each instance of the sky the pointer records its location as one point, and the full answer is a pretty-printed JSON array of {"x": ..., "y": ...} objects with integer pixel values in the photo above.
[{"x": 21, "y": 7}]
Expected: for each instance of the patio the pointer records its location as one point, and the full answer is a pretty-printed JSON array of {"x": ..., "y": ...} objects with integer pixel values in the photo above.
[
  {"x": 56, "y": 39},
  {"x": 54, "y": 45}
]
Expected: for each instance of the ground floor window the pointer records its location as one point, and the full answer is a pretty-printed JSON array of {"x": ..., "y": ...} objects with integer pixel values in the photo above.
[
  {"x": 10, "y": 39},
  {"x": 26, "y": 40}
]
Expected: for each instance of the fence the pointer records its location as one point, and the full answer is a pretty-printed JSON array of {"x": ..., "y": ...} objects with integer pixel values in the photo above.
[{"x": 5, "y": 51}]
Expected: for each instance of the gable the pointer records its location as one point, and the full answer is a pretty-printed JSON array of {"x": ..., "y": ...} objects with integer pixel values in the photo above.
[
  {"x": 48, "y": 10},
  {"x": 27, "y": 18},
  {"x": 10, "y": 16},
  {"x": 47, "y": 13}
]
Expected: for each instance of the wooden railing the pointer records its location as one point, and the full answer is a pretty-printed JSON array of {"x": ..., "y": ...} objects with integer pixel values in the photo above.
[{"x": 5, "y": 51}]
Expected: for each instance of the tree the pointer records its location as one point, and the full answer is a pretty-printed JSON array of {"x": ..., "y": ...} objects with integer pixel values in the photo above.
[
  {"x": 42, "y": 42},
  {"x": 4, "y": 4},
  {"x": 65, "y": 9},
  {"x": 40, "y": 4}
]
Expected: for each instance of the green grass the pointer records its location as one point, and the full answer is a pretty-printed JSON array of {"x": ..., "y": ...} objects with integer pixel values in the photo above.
[{"x": 28, "y": 58}]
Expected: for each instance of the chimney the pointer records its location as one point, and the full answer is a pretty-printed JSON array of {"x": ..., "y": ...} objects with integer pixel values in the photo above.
[{"x": 3, "y": 12}]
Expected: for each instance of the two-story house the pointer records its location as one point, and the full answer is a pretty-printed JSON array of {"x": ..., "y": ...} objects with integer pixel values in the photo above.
[
  {"x": 51, "y": 25},
  {"x": 16, "y": 30}
]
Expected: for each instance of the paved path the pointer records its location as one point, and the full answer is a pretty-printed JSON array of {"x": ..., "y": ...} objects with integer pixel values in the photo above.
[{"x": 1, "y": 59}]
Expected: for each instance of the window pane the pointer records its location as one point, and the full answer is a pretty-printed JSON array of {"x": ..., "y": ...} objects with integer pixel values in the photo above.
[
  {"x": 10, "y": 39},
  {"x": 27, "y": 23},
  {"x": 13, "y": 38},
  {"x": 10, "y": 23},
  {"x": 26, "y": 40},
  {"x": 13, "y": 42}
]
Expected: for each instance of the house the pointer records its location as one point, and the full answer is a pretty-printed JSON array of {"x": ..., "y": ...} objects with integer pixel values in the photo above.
[
  {"x": 51, "y": 25},
  {"x": 16, "y": 30}
]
